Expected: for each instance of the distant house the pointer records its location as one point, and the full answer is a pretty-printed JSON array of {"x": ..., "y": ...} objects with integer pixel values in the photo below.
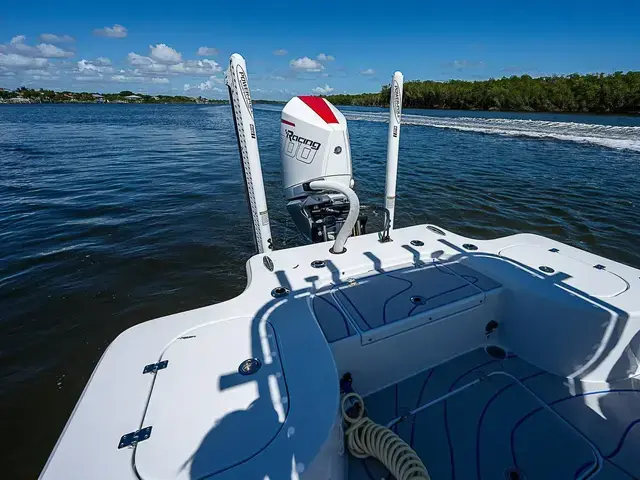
[
  {"x": 98, "y": 98},
  {"x": 133, "y": 98}
]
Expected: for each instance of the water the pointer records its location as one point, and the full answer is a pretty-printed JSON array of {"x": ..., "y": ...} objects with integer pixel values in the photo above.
[{"x": 115, "y": 214}]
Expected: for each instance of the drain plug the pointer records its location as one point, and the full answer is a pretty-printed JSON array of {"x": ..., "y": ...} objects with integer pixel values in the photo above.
[
  {"x": 418, "y": 300},
  {"x": 513, "y": 473},
  {"x": 496, "y": 352},
  {"x": 249, "y": 366}
]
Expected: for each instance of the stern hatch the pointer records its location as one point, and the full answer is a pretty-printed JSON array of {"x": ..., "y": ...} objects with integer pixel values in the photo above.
[{"x": 206, "y": 416}]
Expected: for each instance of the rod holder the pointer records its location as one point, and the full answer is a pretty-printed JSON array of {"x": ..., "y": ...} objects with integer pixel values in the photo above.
[
  {"x": 240, "y": 99},
  {"x": 393, "y": 145}
]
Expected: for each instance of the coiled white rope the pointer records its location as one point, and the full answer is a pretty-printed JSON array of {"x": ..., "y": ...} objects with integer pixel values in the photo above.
[{"x": 366, "y": 438}]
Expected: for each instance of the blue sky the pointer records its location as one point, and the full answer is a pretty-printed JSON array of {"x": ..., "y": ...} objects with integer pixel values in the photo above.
[{"x": 306, "y": 47}]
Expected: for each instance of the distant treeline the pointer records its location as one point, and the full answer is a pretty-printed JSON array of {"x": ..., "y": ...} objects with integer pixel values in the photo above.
[
  {"x": 32, "y": 95},
  {"x": 597, "y": 93},
  {"x": 126, "y": 96}
]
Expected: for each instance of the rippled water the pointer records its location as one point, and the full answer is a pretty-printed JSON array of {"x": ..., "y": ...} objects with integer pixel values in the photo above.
[{"x": 116, "y": 214}]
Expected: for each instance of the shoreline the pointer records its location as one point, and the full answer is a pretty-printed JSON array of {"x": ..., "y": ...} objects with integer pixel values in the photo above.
[{"x": 278, "y": 102}]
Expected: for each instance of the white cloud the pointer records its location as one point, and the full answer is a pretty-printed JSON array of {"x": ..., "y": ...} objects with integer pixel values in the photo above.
[
  {"x": 130, "y": 79},
  {"x": 91, "y": 75},
  {"x": 44, "y": 73},
  {"x": 206, "y": 51},
  {"x": 44, "y": 77},
  {"x": 196, "y": 67},
  {"x": 85, "y": 78},
  {"x": 368, "y": 71},
  {"x": 306, "y": 64},
  {"x": 102, "y": 61},
  {"x": 135, "y": 59},
  {"x": 117, "y": 31},
  {"x": 41, "y": 74},
  {"x": 325, "y": 58},
  {"x": 149, "y": 65},
  {"x": 462, "y": 64},
  {"x": 18, "y": 46},
  {"x": 13, "y": 60},
  {"x": 209, "y": 85},
  {"x": 280, "y": 52},
  {"x": 52, "y": 38},
  {"x": 323, "y": 90},
  {"x": 124, "y": 78},
  {"x": 23, "y": 49},
  {"x": 86, "y": 66},
  {"x": 287, "y": 91},
  {"x": 151, "y": 68},
  {"x": 165, "y": 54},
  {"x": 51, "y": 51},
  {"x": 18, "y": 39},
  {"x": 96, "y": 67}
]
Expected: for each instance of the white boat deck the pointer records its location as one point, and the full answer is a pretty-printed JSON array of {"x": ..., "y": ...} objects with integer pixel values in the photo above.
[
  {"x": 525, "y": 424},
  {"x": 385, "y": 313}
]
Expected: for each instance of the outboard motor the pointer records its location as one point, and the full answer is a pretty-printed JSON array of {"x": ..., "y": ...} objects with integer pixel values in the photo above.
[{"x": 315, "y": 147}]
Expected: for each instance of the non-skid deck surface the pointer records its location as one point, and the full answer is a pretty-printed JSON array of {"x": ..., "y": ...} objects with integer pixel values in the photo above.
[{"x": 498, "y": 425}]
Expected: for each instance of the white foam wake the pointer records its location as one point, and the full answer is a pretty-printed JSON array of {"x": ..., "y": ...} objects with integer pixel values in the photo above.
[{"x": 623, "y": 138}]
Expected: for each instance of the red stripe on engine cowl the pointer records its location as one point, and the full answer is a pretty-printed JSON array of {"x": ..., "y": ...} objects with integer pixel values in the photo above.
[
  {"x": 287, "y": 122},
  {"x": 320, "y": 106}
]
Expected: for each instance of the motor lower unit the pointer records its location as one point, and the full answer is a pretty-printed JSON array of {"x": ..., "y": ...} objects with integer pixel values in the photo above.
[{"x": 315, "y": 146}]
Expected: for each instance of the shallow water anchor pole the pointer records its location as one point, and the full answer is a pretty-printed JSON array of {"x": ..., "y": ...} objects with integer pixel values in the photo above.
[
  {"x": 393, "y": 144},
  {"x": 240, "y": 99}
]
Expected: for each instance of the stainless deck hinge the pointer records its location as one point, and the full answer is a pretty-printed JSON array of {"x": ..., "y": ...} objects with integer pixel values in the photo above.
[
  {"x": 154, "y": 367},
  {"x": 133, "y": 438}
]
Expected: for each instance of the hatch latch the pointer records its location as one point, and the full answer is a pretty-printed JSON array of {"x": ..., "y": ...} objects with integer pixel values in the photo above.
[
  {"x": 154, "y": 367},
  {"x": 132, "y": 438}
]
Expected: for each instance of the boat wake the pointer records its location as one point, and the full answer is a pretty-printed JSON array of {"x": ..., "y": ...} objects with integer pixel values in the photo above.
[{"x": 617, "y": 137}]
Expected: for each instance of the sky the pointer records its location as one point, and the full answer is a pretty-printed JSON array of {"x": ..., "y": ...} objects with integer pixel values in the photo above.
[{"x": 293, "y": 48}]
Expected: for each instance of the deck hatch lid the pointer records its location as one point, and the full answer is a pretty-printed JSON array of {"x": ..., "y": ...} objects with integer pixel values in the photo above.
[
  {"x": 388, "y": 303},
  {"x": 583, "y": 276},
  {"x": 206, "y": 415}
]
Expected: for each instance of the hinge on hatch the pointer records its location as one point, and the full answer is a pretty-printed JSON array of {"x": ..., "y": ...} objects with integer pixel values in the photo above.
[
  {"x": 154, "y": 367},
  {"x": 132, "y": 438}
]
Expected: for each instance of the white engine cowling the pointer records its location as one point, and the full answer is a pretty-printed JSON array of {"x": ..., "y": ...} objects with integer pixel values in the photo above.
[{"x": 314, "y": 145}]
